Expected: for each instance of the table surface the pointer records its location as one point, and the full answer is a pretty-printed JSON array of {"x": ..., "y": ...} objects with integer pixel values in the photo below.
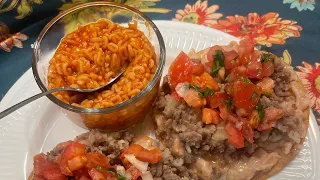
[{"x": 287, "y": 28}]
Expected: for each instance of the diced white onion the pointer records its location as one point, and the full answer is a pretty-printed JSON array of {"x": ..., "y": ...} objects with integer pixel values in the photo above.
[
  {"x": 203, "y": 56},
  {"x": 142, "y": 166},
  {"x": 122, "y": 171},
  {"x": 146, "y": 176},
  {"x": 181, "y": 89},
  {"x": 194, "y": 56}
]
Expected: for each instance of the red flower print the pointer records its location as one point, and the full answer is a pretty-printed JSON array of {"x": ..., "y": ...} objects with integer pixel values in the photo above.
[
  {"x": 310, "y": 77},
  {"x": 266, "y": 30}
]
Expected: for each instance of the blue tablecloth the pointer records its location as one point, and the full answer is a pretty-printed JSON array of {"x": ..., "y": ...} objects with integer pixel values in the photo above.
[{"x": 288, "y": 28}]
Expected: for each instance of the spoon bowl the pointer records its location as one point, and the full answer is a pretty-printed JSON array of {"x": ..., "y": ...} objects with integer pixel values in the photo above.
[{"x": 35, "y": 97}]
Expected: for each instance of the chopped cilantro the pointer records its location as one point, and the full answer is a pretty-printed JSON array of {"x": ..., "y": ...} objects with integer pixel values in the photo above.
[
  {"x": 266, "y": 57},
  {"x": 247, "y": 80},
  {"x": 260, "y": 110},
  {"x": 99, "y": 168},
  {"x": 203, "y": 93},
  {"x": 218, "y": 57},
  {"x": 229, "y": 103},
  {"x": 118, "y": 176},
  {"x": 254, "y": 95},
  {"x": 207, "y": 92},
  {"x": 194, "y": 87}
]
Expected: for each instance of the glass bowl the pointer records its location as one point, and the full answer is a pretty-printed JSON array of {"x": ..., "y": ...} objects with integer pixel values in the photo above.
[{"x": 120, "y": 116}]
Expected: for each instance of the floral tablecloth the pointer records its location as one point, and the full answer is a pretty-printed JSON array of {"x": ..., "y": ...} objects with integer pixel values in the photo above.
[{"x": 288, "y": 28}]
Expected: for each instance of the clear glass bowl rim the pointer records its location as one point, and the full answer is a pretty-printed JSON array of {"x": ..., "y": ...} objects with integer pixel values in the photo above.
[{"x": 117, "y": 107}]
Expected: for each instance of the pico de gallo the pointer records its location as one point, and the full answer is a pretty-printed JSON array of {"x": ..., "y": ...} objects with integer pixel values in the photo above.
[
  {"x": 225, "y": 83},
  {"x": 75, "y": 163}
]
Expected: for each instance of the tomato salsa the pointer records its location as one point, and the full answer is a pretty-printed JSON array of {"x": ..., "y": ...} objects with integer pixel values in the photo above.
[
  {"x": 76, "y": 163},
  {"x": 225, "y": 83}
]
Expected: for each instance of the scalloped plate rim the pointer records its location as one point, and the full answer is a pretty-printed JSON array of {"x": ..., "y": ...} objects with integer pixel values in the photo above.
[{"x": 27, "y": 78}]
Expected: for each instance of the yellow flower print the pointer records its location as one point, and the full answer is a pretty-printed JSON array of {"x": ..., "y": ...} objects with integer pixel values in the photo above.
[
  {"x": 24, "y": 7},
  {"x": 88, "y": 15},
  {"x": 286, "y": 57}
]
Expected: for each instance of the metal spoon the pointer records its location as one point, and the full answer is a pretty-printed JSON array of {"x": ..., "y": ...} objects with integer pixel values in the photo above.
[{"x": 27, "y": 101}]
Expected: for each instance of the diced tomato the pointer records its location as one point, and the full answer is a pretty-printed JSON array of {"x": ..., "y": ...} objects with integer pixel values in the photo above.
[
  {"x": 196, "y": 80},
  {"x": 37, "y": 178},
  {"x": 53, "y": 174},
  {"x": 205, "y": 81},
  {"x": 209, "y": 82},
  {"x": 198, "y": 69},
  {"x": 211, "y": 52},
  {"x": 254, "y": 70},
  {"x": 39, "y": 161},
  {"x": 72, "y": 150},
  {"x": 97, "y": 159},
  {"x": 246, "y": 95},
  {"x": 217, "y": 99},
  {"x": 229, "y": 88},
  {"x": 246, "y": 48},
  {"x": 210, "y": 116},
  {"x": 180, "y": 70},
  {"x": 84, "y": 178},
  {"x": 60, "y": 147},
  {"x": 208, "y": 65},
  {"x": 256, "y": 56},
  {"x": 254, "y": 119},
  {"x": 230, "y": 59},
  {"x": 247, "y": 130},
  {"x": 153, "y": 156},
  {"x": 135, "y": 173},
  {"x": 237, "y": 73},
  {"x": 193, "y": 99},
  {"x": 81, "y": 173},
  {"x": 76, "y": 163},
  {"x": 267, "y": 68},
  {"x": 267, "y": 85},
  {"x": 176, "y": 96},
  {"x": 96, "y": 174},
  {"x": 224, "y": 114},
  {"x": 206, "y": 116},
  {"x": 243, "y": 112},
  {"x": 109, "y": 175},
  {"x": 45, "y": 169},
  {"x": 271, "y": 115},
  {"x": 234, "y": 135}
]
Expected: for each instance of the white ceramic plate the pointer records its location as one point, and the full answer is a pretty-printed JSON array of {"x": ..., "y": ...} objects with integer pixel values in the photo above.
[{"x": 40, "y": 125}]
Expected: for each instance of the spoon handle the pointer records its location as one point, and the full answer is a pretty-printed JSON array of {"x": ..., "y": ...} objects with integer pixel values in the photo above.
[{"x": 27, "y": 101}]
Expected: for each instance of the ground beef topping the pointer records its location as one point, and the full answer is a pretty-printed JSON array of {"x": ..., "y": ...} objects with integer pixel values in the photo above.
[{"x": 192, "y": 143}]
